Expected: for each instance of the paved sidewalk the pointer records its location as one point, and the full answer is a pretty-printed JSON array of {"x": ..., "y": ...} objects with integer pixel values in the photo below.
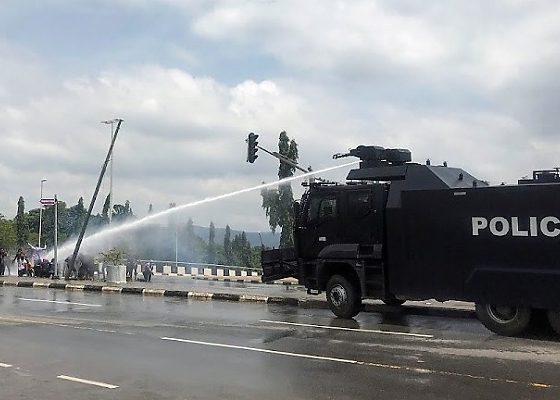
[{"x": 235, "y": 291}]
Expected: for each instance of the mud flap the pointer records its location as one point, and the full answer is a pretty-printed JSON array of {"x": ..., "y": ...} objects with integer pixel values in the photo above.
[{"x": 279, "y": 264}]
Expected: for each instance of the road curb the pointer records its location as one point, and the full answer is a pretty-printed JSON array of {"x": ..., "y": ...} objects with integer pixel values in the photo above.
[
  {"x": 226, "y": 297},
  {"x": 200, "y": 296},
  {"x": 176, "y": 293},
  {"x": 132, "y": 290},
  {"x": 58, "y": 285},
  {"x": 238, "y": 298},
  {"x": 115, "y": 289},
  {"x": 153, "y": 292},
  {"x": 93, "y": 288}
]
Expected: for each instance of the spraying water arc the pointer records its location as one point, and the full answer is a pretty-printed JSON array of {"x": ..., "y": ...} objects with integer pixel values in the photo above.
[{"x": 99, "y": 237}]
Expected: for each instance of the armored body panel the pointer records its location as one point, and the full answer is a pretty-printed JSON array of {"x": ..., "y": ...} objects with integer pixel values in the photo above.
[{"x": 485, "y": 244}]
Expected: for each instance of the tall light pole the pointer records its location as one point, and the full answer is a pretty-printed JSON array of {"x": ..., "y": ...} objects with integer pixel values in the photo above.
[
  {"x": 41, "y": 212},
  {"x": 111, "y": 122}
]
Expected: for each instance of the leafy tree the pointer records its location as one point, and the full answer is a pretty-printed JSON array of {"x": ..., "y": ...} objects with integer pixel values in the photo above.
[
  {"x": 32, "y": 218},
  {"x": 75, "y": 218},
  {"x": 122, "y": 212},
  {"x": 22, "y": 231},
  {"x": 245, "y": 251},
  {"x": 228, "y": 255},
  {"x": 114, "y": 256},
  {"x": 47, "y": 237},
  {"x": 211, "y": 255},
  {"x": 241, "y": 249},
  {"x": 8, "y": 238},
  {"x": 190, "y": 236},
  {"x": 277, "y": 203}
]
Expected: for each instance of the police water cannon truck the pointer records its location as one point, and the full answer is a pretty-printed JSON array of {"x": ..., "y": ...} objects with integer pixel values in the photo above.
[{"x": 399, "y": 230}]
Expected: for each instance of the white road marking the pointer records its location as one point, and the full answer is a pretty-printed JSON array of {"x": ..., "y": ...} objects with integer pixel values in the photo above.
[
  {"x": 30, "y": 321},
  {"x": 2, "y": 365},
  {"x": 419, "y": 335},
  {"x": 87, "y": 382},
  {"x": 538, "y": 385},
  {"x": 281, "y": 353},
  {"x": 60, "y": 302}
]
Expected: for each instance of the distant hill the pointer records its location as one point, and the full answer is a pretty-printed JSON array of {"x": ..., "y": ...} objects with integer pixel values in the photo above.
[{"x": 269, "y": 239}]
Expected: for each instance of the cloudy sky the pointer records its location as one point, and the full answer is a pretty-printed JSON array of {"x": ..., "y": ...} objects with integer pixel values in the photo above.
[{"x": 471, "y": 82}]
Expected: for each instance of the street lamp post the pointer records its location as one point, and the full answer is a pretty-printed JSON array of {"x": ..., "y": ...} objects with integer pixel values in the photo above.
[
  {"x": 41, "y": 212},
  {"x": 111, "y": 122}
]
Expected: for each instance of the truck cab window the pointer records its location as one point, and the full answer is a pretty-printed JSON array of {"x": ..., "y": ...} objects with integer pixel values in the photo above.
[
  {"x": 321, "y": 208},
  {"x": 359, "y": 204}
]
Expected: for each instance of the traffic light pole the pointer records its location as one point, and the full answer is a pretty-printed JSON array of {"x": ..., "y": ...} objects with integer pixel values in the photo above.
[{"x": 284, "y": 159}]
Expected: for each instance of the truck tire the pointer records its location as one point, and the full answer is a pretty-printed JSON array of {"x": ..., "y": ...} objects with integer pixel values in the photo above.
[
  {"x": 343, "y": 296},
  {"x": 504, "y": 320},
  {"x": 554, "y": 320}
]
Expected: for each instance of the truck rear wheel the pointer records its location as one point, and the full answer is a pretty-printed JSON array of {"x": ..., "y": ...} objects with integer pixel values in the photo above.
[
  {"x": 554, "y": 320},
  {"x": 343, "y": 297},
  {"x": 504, "y": 320}
]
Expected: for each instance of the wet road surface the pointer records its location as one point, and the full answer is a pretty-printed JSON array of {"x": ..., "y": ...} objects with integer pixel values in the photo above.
[{"x": 81, "y": 345}]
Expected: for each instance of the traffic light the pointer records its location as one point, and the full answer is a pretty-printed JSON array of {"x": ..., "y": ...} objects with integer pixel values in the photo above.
[{"x": 252, "y": 147}]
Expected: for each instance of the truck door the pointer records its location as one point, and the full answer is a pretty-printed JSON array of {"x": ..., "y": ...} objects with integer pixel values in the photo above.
[
  {"x": 361, "y": 225},
  {"x": 322, "y": 225}
]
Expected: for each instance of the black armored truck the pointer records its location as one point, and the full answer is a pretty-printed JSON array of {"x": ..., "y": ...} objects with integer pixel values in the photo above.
[{"x": 399, "y": 230}]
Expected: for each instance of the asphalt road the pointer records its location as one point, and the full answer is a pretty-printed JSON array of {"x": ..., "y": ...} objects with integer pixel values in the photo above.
[{"x": 85, "y": 345}]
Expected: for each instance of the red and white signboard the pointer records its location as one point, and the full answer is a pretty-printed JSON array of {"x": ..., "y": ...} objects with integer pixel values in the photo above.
[{"x": 47, "y": 202}]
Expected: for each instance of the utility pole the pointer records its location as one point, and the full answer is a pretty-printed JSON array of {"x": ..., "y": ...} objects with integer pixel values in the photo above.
[
  {"x": 55, "y": 235},
  {"x": 111, "y": 122},
  {"x": 41, "y": 211},
  {"x": 93, "y": 198}
]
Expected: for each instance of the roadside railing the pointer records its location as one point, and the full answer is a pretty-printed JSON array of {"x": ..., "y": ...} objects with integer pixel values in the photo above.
[{"x": 180, "y": 268}]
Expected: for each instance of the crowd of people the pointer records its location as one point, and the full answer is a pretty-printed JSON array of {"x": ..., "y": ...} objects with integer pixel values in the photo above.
[
  {"x": 25, "y": 265},
  {"x": 147, "y": 271},
  {"x": 33, "y": 265}
]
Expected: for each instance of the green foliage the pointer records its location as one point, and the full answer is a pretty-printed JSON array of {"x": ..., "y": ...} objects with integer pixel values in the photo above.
[
  {"x": 190, "y": 245},
  {"x": 227, "y": 251},
  {"x": 241, "y": 250},
  {"x": 22, "y": 228},
  {"x": 122, "y": 213},
  {"x": 64, "y": 230},
  {"x": 8, "y": 238},
  {"x": 114, "y": 256},
  {"x": 278, "y": 203},
  {"x": 211, "y": 256},
  {"x": 148, "y": 242},
  {"x": 75, "y": 218}
]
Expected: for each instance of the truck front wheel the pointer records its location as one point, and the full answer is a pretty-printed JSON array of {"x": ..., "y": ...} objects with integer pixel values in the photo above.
[
  {"x": 343, "y": 297},
  {"x": 504, "y": 320},
  {"x": 554, "y": 320}
]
